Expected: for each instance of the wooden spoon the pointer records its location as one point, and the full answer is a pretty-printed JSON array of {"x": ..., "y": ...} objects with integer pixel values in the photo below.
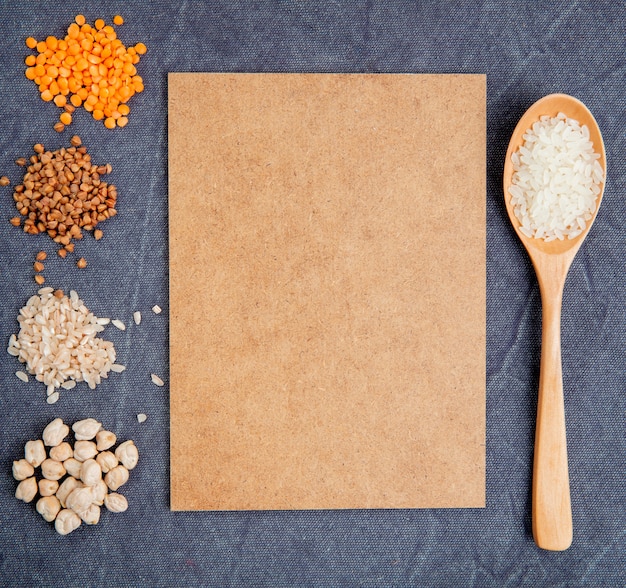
[{"x": 552, "y": 512}]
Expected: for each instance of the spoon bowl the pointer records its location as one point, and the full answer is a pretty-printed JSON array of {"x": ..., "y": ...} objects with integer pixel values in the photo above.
[{"x": 552, "y": 514}]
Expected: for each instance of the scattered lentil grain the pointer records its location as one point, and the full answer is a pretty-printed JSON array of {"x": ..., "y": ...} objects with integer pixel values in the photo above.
[
  {"x": 38, "y": 266},
  {"x": 4, "y": 181},
  {"x": 39, "y": 279},
  {"x": 41, "y": 256},
  {"x": 81, "y": 263}
]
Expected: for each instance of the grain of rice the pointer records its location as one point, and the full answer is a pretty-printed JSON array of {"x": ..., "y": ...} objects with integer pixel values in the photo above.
[
  {"x": 116, "y": 367},
  {"x": 119, "y": 324},
  {"x": 142, "y": 417},
  {"x": 156, "y": 380},
  {"x": 68, "y": 385},
  {"x": 556, "y": 179},
  {"x": 53, "y": 398},
  {"x": 22, "y": 375},
  {"x": 137, "y": 317},
  {"x": 156, "y": 309}
]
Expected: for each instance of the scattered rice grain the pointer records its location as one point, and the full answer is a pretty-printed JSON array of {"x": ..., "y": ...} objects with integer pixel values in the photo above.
[
  {"x": 22, "y": 375},
  {"x": 142, "y": 417},
  {"x": 119, "y": 324},
  {"x": 116, "y": 367},
  {"x": 156, "y": 309},
  {"x": 137, "y": 317},
  {"x": 53, "y": 398},
  {"x": 156, "y": 380}
]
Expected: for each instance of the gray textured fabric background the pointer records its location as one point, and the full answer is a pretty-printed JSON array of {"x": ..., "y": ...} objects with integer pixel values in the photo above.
[{"x": 527, "y": 50}]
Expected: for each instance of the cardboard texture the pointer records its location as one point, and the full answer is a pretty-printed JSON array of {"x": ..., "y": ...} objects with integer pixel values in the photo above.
[{"x": 327, "y": 291}]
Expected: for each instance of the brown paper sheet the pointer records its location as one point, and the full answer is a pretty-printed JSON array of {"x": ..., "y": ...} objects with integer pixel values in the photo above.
[{"x": 327, "y": 291}]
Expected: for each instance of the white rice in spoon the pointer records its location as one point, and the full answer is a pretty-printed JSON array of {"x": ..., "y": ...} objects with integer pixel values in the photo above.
[{"x": 556, "y": 179}]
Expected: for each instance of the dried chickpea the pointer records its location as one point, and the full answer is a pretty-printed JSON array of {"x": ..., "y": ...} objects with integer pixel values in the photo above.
[
  {"x": 34, "y": 452},
  {"x": 72, "y": 466},
  {"x": 61, "y": 452},
  {"x": 127, "y": 454},
  {"x": 84, "y": 450},
  {"x": 90, "y": 472},
  {"x": 86, "y": 429},
  {"x": 55, "y": 432},
  {"x": 66, "y": 488},
  {"x": 115, "y": 502},
  {"x": 116, "y": 477},
  {"x": 48, "y": 507},
  {"x": 48, "y": 487},
  {"x": 51, "y": 469},
  {"x": 66, "y": 522},
  {"x": 26, "y": 490},
  {"x": 79, "y": 499},
  {"x": 105, "y": 440},
  {"x": 22, "y": 469},
  {"x": 107, "y": 461},
  {"x": 91, "y": 515}
]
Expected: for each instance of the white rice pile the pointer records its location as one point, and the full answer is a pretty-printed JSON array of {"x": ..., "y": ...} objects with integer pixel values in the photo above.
[
  {"x": 556, "y": 179},
  {"x": 58, "y": 342}
]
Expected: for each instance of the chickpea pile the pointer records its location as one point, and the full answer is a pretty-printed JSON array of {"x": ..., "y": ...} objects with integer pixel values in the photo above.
[
  {"x": 76, "y": 480},
  {"x": 89, "y": 67}
]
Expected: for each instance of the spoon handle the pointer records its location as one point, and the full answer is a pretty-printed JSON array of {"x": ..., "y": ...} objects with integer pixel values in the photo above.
[{"x": 552, "y": 511}]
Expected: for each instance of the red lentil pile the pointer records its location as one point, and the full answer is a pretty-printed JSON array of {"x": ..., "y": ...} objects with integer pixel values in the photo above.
[{"x": 89, "y": 67}]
